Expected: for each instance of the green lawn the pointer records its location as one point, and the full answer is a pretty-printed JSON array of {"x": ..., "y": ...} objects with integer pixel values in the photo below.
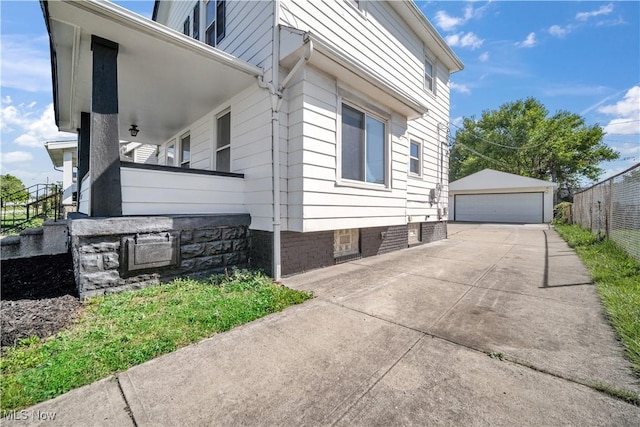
[
  {"x": 119, "y": 331},
  {"x": 617, "y": 279}
]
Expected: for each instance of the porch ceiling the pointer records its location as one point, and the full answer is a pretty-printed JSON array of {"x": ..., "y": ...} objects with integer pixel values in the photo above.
[{"x": 166, "y": 80}]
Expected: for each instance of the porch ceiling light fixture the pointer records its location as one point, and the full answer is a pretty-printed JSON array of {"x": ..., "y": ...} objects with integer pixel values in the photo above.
[{"x": 133, "y": 130}]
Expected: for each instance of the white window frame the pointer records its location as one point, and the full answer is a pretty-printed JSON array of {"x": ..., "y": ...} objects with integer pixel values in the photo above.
[
  {"x": 214, "y": 23},
  {"x": 431, "y": 60},
  {"x": 217, "y": 149},
  {"x": 170, "y": 144},
  {"x": 185, "y": 163},
  {"x": 420, "y": 157},
  {"x": 340, "y": 181}
]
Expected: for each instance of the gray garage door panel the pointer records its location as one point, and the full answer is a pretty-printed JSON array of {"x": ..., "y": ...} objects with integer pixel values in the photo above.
[{"x": 511, "y": 207}]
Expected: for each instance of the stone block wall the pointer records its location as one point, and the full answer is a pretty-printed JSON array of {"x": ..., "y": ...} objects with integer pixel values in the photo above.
[{"x": 117, "y": 254}]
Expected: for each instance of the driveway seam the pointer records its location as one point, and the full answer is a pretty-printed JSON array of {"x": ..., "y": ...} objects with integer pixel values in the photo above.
[
  {"x": 128, "y": 407},
  {"x": 384, "y": 374}
]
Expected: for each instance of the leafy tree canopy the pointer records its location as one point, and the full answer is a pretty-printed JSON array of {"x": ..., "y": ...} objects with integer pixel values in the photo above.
[
  {"x": 12, "y": 189},
  {"x": 521, "y": 138}
]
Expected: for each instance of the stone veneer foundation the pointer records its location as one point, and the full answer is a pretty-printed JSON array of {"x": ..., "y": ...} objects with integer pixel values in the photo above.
[{"x": 123, "y": 253}]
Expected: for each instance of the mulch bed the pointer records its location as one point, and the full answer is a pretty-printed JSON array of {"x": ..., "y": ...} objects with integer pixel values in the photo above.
[{"x": 38, "y": 297}]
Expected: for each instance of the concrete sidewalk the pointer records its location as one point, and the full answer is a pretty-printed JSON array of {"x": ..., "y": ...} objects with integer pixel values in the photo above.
[{"x": 402, "y": 338}]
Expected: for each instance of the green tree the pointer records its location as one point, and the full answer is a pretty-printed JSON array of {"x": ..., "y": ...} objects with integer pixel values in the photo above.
[
  {"x": 12, "y": 189},
  {"x": 521, "y": 138}
]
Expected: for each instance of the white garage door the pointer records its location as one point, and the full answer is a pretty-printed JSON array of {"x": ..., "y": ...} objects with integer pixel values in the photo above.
[{"x": 512, "y": 207}]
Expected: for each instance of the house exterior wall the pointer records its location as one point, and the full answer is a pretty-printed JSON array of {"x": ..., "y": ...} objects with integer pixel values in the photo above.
[
  {"x": 314, "y": 199},
  {"x": 250, "y": 151}
]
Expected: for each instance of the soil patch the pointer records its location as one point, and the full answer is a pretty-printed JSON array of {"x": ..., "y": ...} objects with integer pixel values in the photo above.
[{"x": 38, "y": 297}]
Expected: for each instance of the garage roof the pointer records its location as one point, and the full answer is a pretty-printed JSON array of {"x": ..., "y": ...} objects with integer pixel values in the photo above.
[{"x": 489, "y": 179}]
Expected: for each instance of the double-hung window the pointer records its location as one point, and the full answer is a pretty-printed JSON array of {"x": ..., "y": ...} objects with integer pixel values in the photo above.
[
  {"x": 216, "y": 22},
  {"x": 185, "y": 151},
  {"x": 415, "y": 156},
  {"x": 363, "y": 146},
  {"x": 196, "y": 21},
  {"x": 429, "y": 75},
  {"x": 223, "y": 143}
]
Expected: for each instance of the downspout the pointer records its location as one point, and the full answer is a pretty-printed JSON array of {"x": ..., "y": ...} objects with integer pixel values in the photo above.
[{"x": 275, "y": 90}]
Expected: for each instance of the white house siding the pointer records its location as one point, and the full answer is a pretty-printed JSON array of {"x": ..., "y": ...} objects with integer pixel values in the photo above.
[
  {"x": 168, "y": 192},
  {"x": 248, "y": 28},
  {"x": 250, "y": 149},
  {"x": 316, "y": 202},
  {"x": 145, "y": 153},
  {"x": 380, "y": 41},
  {"x": 377, "y": 38}
]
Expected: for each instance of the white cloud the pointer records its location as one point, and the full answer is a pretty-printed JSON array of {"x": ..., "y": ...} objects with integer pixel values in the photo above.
[
  {"x": 464, "y": 40},
  {"x": 16, "y": 157},
  {"x": 558, "y": 31},
  {"x": 484, "y": 57},
  {"x": 530, "y": 41},
  {"x": 460, "y": 88},
  {"x": 604, "y": 10},
  {"x": 25, "y": 62},
  {"x": 458, "y": 121},
  {"x": 450, "y": 23},
  {"x": 628, "y": 148},
  {"x": 627, "y": 111},
  {"x": 570, "y": 89},
  {"x": 34, "y": 127},
  {"x": 446, "y": 22}
]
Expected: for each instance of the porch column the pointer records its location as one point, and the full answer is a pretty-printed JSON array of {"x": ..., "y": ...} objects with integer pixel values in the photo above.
[
  {"x": 104, "y": 158},
  {"x": 84, "y": 133}
]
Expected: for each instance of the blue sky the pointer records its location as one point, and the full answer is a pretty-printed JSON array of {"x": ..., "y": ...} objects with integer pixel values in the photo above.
[{"x": 580, "y": 56}]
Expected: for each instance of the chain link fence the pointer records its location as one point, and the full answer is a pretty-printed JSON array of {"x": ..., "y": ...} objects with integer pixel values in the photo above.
[{"x": 612, "y": 208}]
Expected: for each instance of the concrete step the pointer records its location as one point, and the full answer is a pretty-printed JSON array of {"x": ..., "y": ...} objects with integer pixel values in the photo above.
[{"x": 50, "y": 239}]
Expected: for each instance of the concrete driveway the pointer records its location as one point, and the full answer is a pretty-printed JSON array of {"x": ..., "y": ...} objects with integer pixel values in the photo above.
[{"x": 399, "y": 339}]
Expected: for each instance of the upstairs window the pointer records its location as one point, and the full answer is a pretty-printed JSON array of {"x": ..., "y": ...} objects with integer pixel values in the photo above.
[
  {"x": 414, "y": 158},
  {"x": 186, "y": 27},
  {"x": 216, "y": 22},
  {"x": 196, "y": 21},
  {"x": 428, "y": 75},
  {"x": 363, "y": 146},
  {"x": 223, "y": 143}
]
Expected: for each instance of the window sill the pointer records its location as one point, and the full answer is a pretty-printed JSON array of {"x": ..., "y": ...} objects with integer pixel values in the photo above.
[
  {"x": 415, "y": 176},
  {"x": 363, "y": 185}
]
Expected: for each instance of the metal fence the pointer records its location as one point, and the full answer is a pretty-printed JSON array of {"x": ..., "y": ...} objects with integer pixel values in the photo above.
[{"x": 612, "y": 208}]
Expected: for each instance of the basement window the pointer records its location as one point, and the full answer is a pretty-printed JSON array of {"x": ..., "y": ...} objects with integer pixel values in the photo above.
[
  {"x": 415, "y": 233},
  {"x": 346, "y": 242}
]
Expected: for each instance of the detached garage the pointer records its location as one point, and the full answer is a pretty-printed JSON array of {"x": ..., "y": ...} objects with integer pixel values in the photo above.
[{"x": 493, "y": 196}]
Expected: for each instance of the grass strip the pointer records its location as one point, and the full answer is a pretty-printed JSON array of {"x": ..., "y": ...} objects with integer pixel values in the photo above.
[
  {"x": 617, "y": 279},
  {"x": 119, "y": 331}
]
